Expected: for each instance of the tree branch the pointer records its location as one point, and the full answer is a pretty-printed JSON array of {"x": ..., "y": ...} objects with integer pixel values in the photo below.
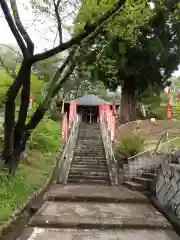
[
  {"x": 13, "y": 28},
  {"x": 64, "y": 79},
  {"x": 22, "y": 30},
  {"x": 55, "y": 39},
  {"x": 59, "y": 22},
  {"x": 58, "y": 74},
  {"x": 81, "y": 36},
  {"x": 42, "y": 108}
]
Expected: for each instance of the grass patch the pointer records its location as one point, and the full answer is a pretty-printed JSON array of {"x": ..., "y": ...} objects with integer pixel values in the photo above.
[
  {"x": 42, "y": 148},
  {"x": 151, "y": 133}
]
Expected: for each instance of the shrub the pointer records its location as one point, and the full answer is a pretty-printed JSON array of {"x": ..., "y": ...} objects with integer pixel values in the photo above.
[
  {"x": 130, "y": 146},
  {"x": 46, "y": 136},
  {"x": 55, "y": 114}
]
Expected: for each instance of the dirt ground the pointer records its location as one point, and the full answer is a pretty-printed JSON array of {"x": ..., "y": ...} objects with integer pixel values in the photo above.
[{"x": 151, "y": 132}]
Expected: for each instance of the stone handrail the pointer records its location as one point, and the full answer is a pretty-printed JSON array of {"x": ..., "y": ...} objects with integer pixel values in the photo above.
[
  {"x": 112, "y": 162},
  {"x": 67, "y": 155}
]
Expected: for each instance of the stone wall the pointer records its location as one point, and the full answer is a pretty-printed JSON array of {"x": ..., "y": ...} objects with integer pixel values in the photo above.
[
  {"x": 140, "y": 164},
  {"x": 168, "y": 188}
]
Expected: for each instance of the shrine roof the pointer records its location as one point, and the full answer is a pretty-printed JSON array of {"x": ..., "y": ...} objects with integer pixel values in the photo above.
[{"x": 91, "y": 100}]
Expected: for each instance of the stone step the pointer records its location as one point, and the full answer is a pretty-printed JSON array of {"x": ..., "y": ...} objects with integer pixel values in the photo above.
[
  {"x": 134, "y": 186},
  {"x": 90, "y": 130},
  {"x": 87, "y": 128},
  {"x": 99, "y": 194},
  {"x": 90, "y": 154},
  {"x": 92, "y": 145},
  {"x": 144, "y": 181},
  {"x": 89, "y": 181},
  {"x": 89, "y": 171},
  {"x": 93, "y": 142},
  {"x": 90, "y": 138},
  {"x": 80, "y": 167},
  {"x": 86, "y": 170},
  {"x": 96, "y": 234},
  {"x": 89, "y": 163},
  {"x": 88, "y": 176},
  {"x": 90, "y": 125},
  {"x": 90, "y": 158},
  {"x": 149, "y": 175},
  {"x": 82, "y": 175},
  {"x": 99, "y": 215},
  {"x": 86, "y": 138},
  {"x": 90, "y": 167},
  {"x": 89, "y": 149},
  {"x": 88, "y": 146}
]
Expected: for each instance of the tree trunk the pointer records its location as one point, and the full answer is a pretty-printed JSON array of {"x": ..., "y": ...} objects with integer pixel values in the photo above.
[
  {"x": 34, "y": 121},
  {"x": 20, "y": 126},
  {"x": 128, "y": 103},
  {"x": 22, "y": 78}
]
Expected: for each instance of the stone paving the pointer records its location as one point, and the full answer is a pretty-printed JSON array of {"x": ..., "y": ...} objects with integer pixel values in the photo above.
[
  {"x": 87, "y": 212},
  {"x": 106, "y": 215},
  {"x": 94, "y": 193},
  {"x": 95, "y": 234}
]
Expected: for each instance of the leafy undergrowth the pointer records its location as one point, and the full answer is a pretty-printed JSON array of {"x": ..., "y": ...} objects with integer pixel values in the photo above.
[
  {"x": 42, "y": 149},
  {"x": 129, "y": 146}
]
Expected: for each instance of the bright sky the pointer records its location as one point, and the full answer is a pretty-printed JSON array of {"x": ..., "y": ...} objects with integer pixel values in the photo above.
[{"x": 40, "y": 32}]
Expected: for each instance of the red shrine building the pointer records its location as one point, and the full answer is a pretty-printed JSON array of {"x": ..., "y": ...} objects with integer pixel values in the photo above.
[{"x": 87, "y": 107}]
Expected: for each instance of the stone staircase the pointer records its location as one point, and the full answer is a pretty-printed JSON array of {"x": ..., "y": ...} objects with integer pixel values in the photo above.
[
  {"x": 142, "y": 183},
  {"x": 89, "y": 165},
  {"x": 82, "y": 212},
  {"x": 95, "y": 211}
]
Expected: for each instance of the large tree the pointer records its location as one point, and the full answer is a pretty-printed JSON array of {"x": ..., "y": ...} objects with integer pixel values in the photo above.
[
  {"x": 140, "y": 63},
  {"x": 17, "y": 133}
]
